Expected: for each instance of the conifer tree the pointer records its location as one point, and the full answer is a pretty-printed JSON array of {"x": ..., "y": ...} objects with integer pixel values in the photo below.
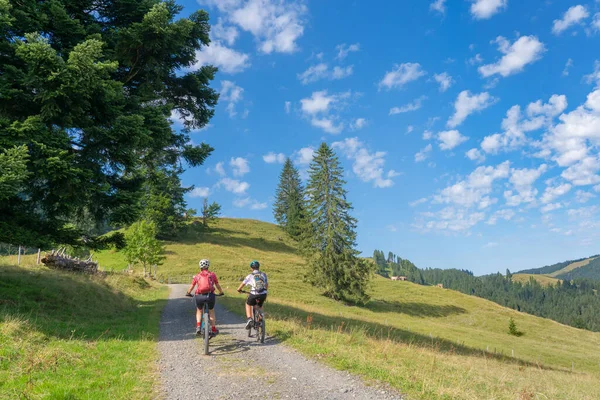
[
  {"x": 334, "y": 264},
  {"x": 288, "y": 209}
]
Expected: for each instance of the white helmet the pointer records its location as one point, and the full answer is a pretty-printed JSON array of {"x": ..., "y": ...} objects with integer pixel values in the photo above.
[{"x": 204, "y": 264}]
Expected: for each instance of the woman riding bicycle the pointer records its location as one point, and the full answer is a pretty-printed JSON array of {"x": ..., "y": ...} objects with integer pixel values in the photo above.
[
  {"x": 205, "y": 293},
  {"x": 258, "y": 292}
]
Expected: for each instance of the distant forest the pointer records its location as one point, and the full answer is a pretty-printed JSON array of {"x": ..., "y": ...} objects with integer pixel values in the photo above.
[
  {"x": 590, "y": 271},
  {"x": 573, "y": 302}
]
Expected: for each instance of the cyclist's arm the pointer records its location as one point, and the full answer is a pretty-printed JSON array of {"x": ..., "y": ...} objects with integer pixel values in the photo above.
[
  {"x": 239, "y": 289},
  {"x": 219, "y": 287},
  {"x": 191, "y": 286}
]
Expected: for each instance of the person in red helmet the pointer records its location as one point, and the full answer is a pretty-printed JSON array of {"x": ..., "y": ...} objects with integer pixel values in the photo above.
[{"x": 205, "y": 282}]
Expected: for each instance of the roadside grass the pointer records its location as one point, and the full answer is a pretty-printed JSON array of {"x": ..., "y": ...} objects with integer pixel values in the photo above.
[
  {"x": 427, "y": 342},
  {"x": 71, "y": 336},
  {"x": 544, "y": 280}
]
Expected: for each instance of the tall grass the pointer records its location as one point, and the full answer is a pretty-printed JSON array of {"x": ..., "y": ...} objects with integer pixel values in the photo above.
[{"x": 68, "y": 336}]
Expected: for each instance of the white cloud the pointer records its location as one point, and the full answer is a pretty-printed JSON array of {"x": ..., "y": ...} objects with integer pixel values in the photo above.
[
  {"x": 401, "y": 75},
  {"x": 275, "y": 24},
  {"x": 572, "y": 16},
  {"x": 475, "y": 189},
  {"x": 597, "y": 188},
  {"x": 314, "y": 73},
  {"x": 414, "y": 106},
  {"x": 418, "y": 202},
  {"x": 227, "y": 60},
  {"x": 444, "y": 80},
  {"x": 234, "y": 186},
  {"x": 233, "y": 94},
  {"x": 240, "y": 166},
  {"x": 476, "y": 59},
  {"x": 506, "y": 215},
  {"x": 450, "y": 139},
  {"x": 342, "y": 72},
  {"x": 583, "y": 197},
  {"x": 366, "y": 165},
  {"x": 200, "y": 192},
  {"x": 525, "y": 50},
  {"x": 484, "y": 9},
  {"x": 554, "y": 192},
  {"x": 219, "y": 168},
  {"x": 449, "y": 219},
  {"x": 466, "y": 104},
  {"x": 424, "y": 153},
  {"x": 568, "y": 65},
  {"x": 304, "y": 156},
  {"x": 271, "y": 158},
  {"x": 573, "y": 142},
  {"x": 327, "y": 124},
  {"x": 410, "y": 129},
  {"x": 596, "y": 22},
  {"x": 515, "y": 125},
  {"x": 317, "y": 109},
  {"x": 249, "y": 202},
  {"x": 344, "y": 50},
  {"x": 427, "y": 135},
  {"x": 227, "y": 34},
  {"x": 392, "y": 228},
  {"x": 490, "y": 245},
  {"x": 475, "y": 155},
  {"x": 319, "y": 102},
  {"x": 550, "y": 207},
  {"x": 358, "y": 123},
  {"x": 288, "y": 107},
  {"x": 439, "y": 6},
  {"x": 594, "y": 77},
  {"x": 523, "y": 180}
]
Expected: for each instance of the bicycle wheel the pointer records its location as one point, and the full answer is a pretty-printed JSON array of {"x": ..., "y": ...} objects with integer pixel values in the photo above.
[
  {"x": 261, "y": 329},
  {"x": 206, "y": 331}
]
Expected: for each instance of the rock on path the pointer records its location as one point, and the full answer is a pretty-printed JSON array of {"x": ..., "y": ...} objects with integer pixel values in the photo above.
[{"x": 239, "y": 367}]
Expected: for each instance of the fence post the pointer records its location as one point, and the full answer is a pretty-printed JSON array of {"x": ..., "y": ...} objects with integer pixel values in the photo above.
[
  {"x": 19, "y": 256},
  {"x": 38, "y": 257}
]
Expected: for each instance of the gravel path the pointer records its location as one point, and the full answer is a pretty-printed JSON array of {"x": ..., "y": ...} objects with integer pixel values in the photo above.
[{"x": 239, "y": 367}]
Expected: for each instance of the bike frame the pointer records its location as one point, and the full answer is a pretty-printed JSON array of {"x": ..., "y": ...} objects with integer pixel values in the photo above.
[{"x": 258, "y": 322}]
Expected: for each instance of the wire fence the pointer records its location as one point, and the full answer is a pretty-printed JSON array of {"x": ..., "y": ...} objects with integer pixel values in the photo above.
[{"x": 15, "y": 254}]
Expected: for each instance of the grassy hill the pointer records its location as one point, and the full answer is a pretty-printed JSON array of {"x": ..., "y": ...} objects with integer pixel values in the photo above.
[
  {"x": 428, "y": 342},
  {"x": 67, "y": 336},
  {"x": 544, "y": 280}
]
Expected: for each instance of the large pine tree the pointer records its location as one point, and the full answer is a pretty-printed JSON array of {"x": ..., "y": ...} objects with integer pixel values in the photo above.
[
  {"x": 334, "y": 264},
  {"x": 89, "y": 88},
  {"x": 288, "y": 209}
]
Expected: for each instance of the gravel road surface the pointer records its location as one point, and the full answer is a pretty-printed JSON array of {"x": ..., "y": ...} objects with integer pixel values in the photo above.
[{"x": 239, "y": 367}]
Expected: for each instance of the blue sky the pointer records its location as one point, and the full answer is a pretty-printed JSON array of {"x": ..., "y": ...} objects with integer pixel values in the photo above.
[{"x": 468, "y": 129}]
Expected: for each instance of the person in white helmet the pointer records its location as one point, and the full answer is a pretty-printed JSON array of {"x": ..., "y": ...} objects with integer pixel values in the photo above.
[{"x": 205, "y": 282}]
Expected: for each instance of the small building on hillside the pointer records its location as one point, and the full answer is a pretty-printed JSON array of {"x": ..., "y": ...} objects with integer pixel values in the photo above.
[
  {"x": 440, "y": 285},
  {"x": 399, "y": 278}
]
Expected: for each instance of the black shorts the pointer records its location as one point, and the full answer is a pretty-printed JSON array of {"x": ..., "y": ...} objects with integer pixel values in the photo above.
[
  {"x": 205, "y": 298},
  {"x": 256, "y": 299}
]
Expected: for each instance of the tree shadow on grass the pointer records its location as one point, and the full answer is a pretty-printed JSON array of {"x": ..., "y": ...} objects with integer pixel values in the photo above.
[
  {"x": 69, "y": 305},
  {"x": 225, "y": 237},
  {"x": 384, "y": 332},
  {"x": 414, "y": 309}
]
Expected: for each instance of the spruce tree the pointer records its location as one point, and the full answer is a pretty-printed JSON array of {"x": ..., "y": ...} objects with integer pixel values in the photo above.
[
  {"x": 334, "y": 263},
  {"x": 288, "y": 209},
  {"x": 90, "y": 89}
]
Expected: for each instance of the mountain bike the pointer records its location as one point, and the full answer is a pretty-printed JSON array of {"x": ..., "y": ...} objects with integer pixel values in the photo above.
[
  {"x": 205, "y": 327},
  {"x": 258, "y": 322}
]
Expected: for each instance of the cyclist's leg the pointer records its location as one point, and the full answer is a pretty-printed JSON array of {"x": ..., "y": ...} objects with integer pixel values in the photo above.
[
  {"x": 211, "y": 310},
  {"x": 260, "y": 301},
  {"x": 250, "y": 302},
  {"x": 200, "y": 300}
]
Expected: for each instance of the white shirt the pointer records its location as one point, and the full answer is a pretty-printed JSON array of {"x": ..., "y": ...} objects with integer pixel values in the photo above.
[{"x": 249, "y": 280}]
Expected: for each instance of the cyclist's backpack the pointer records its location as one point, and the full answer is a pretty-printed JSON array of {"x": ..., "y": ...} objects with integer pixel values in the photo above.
[
  {"x": 259, "y": 281},
  {"x": 205, "y": 282}
]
